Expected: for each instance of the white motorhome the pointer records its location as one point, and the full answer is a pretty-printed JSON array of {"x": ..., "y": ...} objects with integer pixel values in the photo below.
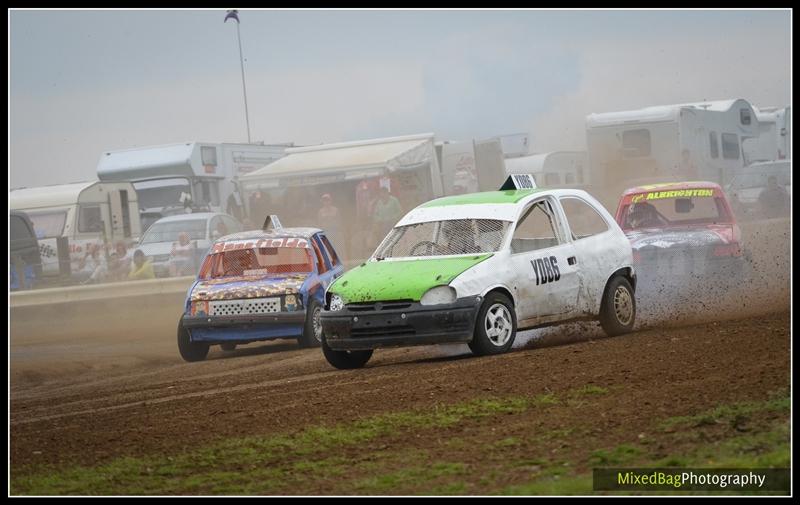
[
  {"x": 774, "y": 140},
  {"x": 552, "y": 169},
  {"x": 700, "y": 141},
  {"x": 163, "y": 175},
  {"x": 84, "y": 213}
]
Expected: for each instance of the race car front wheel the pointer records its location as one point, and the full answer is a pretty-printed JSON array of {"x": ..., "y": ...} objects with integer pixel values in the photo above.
[
  {"x": 618, "y": 308},
  {"x": 190, "y": 351},
  {"x": 312, "y": 330},
  {"x": 496, "y": 326},
  {"x": 345, "y": 360}
]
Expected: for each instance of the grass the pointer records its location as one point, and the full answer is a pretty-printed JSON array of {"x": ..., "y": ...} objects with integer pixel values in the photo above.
[
  {"x": 263, "y": 465},
  {"x": 372, "y": 456}
]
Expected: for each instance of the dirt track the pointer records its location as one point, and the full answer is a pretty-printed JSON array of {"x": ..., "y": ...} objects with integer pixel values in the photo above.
[
  {"x": 258, "y": 390},
  {"x": 90, "y": 402}
]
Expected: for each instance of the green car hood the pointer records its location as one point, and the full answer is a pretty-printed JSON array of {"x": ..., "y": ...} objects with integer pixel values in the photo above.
[{"x": 376, "y": 281}]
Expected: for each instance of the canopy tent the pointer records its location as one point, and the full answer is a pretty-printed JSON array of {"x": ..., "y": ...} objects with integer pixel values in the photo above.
[{"x": 346, "y": 161}]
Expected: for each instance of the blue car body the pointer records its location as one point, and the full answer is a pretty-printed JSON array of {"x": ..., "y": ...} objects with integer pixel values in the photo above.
[{"x": 265, "y": 305}]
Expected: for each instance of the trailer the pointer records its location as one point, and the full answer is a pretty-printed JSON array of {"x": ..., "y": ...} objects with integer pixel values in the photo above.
[
  {"x": 169, "y": 179},
  {"x": 68, "y": 219},
  {"x": 553, "y": 169},
  {"x": 671, "y": 142}
]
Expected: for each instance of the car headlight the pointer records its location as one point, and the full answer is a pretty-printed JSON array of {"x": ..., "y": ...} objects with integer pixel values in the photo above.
[
  {"x": 438, "y": 296},
  {"x": 336, "y": 303}
]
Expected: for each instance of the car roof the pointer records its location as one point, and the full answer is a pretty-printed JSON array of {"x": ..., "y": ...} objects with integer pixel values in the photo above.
[
  {"x": 672, "y": 186},
  {"x": 298, "y": 232},
  {"x": 499, "y": 205}
]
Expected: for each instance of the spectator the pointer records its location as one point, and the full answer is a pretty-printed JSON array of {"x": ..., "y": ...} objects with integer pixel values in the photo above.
[
  {"x": 235, "y": 202},
  {"x": 181, "y": 257},
  {"x": 119, "y": 263},
  {"x": 774, "y": 199},
  {"x": 385, "y": 213},
  {"x": 142, "y": 268},
  {"x": 93, "y": 266},
  {"x": 329, "y": 219}
]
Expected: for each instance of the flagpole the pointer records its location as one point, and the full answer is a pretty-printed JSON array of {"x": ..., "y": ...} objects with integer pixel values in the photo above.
[{"x": 244, "y": 89}]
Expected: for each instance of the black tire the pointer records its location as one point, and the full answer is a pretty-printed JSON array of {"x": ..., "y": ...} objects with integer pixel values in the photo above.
[
  {"x": 312, "y": 330},
  {"x": 482, "y": 343},
  {"x": 190, "y": 351},
  {"x": 617, "y": 317},
  {"x": 228, "y": 346},
  {"x": 345, "y": 360}
]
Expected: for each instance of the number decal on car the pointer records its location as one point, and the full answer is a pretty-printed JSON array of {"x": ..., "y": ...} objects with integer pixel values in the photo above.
[{"x": 546, "y": 270}]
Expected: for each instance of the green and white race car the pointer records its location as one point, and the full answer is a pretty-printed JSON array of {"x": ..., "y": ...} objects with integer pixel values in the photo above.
[{"x": 476, "y": 268}]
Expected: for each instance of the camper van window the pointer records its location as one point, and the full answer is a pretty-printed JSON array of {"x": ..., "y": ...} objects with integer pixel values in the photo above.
[
  {"x": 730, "y": 146},
  {"x": 48, "y": 224},
  {"x": 636, "y": 143},
  {"x": 208, "y": 155},
  {"x": 713, "y": 144},
  {"x": 89, "y": 219},
  {"x": 744, "y": 116}
]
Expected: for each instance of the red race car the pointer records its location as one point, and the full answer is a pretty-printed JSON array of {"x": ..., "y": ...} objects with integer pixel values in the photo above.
[{"x": 681, "y": 231}]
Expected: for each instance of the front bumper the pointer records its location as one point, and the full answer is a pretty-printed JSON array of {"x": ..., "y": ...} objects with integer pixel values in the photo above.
[
  {"x": 393, "y": 324},
  {"x": 245, "y": 328}
]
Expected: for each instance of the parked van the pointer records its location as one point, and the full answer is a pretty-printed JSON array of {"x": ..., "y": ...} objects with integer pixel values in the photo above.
[{"x": 83, "y": 213}]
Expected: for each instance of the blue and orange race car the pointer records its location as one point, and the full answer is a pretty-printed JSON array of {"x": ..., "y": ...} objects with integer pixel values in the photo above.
[{"x": 259, "y": 285}]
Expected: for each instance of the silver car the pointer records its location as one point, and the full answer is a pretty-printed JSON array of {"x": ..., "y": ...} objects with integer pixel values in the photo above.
[{"x": 202, "y": 228}]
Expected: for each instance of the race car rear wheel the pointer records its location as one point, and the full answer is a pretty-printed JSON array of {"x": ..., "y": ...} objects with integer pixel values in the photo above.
[
  {"x": 618, "y": 308},
  {"x": 495, "y": 327},
  {"x": 312, "y": 330},
  {"x": 228, "y": 346},
  {"x": 345, "y": 360},
  {"x": 190, "y": 351}
]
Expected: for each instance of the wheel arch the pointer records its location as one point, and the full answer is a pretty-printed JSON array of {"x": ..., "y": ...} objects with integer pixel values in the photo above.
[{"x": 627, "y": 272}]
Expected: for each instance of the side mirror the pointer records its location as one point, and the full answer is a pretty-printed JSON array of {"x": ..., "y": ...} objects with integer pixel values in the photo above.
[{"x": 683, "y": 205}]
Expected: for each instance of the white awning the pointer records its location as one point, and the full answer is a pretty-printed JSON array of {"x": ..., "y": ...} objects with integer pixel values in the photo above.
[{"x": 344, "y": 161}]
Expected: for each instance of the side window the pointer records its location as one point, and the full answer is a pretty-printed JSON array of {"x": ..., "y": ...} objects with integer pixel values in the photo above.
[
  {"x": 713, "y": 144},
  {"x": 583, "y": 220},
  {"x": 331, "y": 252},
  {"x": 89, "y": 219},
  {"x": 536, "y": 229},
  {"x": 744, "y": 116},
  {"x": 730, "y": 146},
  {"x": 321, "y": 264},
  {"x": 636, "y": 143}
]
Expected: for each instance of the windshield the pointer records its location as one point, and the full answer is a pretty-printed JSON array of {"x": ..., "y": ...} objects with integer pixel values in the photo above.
[
  {"x": 668, "y": 212},
  {"x": 169, "y": 231},
  {"x": 161, "y": 193},
  {"x": 257, "y": 262},
  {"x": 443, "y": 238}
]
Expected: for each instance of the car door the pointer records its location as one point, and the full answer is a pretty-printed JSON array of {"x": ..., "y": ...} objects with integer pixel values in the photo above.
[
  {"x": 326, "y": 271},
  {"x": 543, "y": 259},
  {"x": 596, "y": 248}
]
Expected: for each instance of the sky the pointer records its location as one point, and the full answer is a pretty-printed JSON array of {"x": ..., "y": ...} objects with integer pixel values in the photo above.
[{"x": 85, "y": 82}]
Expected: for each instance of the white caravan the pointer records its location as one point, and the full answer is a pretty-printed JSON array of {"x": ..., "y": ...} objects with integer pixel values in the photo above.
[
  {"x": 700, "y": 141},
  {"x": 557, "y": 168},
  {"x": 83, "y": 213}
]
